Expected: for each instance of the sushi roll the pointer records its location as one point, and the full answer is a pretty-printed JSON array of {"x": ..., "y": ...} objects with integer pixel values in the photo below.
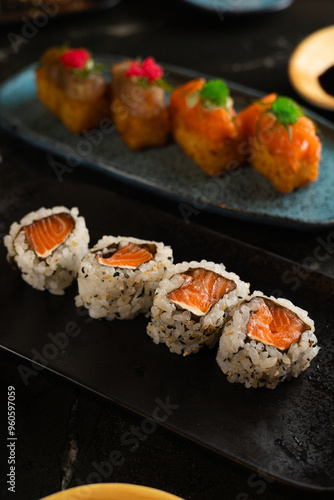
[
  {"x": 139, "y": 109},
  {"x": 47, "y": 246},
  {"x": 282, "y": 141},
  {"x": 203, "y": 124},
  {"x": 119, "y": 275},
  {"x": 71, "y": 85},
  {"x": 267, "y": 340},
  {"x": 191, "y": 304}
]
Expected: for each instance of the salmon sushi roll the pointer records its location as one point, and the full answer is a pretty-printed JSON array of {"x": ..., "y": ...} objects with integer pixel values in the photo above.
[
  {"x": 266, "y": 341},
  {"x": 203, "y": 124},
  {"x": 191, "y": 304},
  {"x": 119, "y": 275},
  {"x": 283, "y": 143},
  {"x": 47, "y": 247},
  {"x": 139, "y": 109}
]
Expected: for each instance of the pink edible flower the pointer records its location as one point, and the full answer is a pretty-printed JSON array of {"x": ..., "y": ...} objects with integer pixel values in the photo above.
[
  {"x": 151, "y": 69},
  {"x": 147, "y": 69},
  {"x": 75, "y": 58},
  {"x": 134, "y": 69}
]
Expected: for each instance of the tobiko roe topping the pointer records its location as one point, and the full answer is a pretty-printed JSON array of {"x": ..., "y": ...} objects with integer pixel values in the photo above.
[
  {"x": 147, "y": 69},
  {"x": 75, "y": 58}
]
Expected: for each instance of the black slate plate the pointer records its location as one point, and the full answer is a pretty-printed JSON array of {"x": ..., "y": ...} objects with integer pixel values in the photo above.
[
  {"x": 242, "y": 193},
  {"x": 286, "y": 433}
]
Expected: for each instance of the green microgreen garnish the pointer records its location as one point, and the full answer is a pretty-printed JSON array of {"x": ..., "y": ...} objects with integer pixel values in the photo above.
[
  {"x": 215, "y": 92},
  {"x": 286, "y": 111}
]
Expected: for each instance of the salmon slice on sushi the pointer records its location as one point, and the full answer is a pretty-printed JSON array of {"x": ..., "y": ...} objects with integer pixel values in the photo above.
[
  {"x": 71, "y": 85},
  {"x": 191, "y": 305},
  {"x": 139, "y": 109},
  {"x": 266, "y": 341},
  {"x": 283, "y": 143},
  {"x": 47, "y": 246},
  {"x": 203, "y": 124},
  {"x": 119, "y": 276}
]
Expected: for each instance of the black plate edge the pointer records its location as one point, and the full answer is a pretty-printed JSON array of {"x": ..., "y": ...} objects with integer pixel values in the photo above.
[
  {"x": 196, "y": 226},
  {"x": 45, "y": 144},
  {"x": 215, "y": 234}
]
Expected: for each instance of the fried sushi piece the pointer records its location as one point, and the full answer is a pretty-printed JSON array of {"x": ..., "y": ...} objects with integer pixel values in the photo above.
[
  {"x": 119, "y": 276},
  {"x": 139, "y": 108},
  {"x": 266, "y": 341},
  {"x": 283, "y": 143},
  {"x": 203, "y": 125},
  {"x": 47, "y": 246},
  {"x": 191, "y": 305},
  {"x": 70, "y": 84}
]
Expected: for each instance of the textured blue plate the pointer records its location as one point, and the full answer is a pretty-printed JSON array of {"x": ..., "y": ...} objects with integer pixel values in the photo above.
[
  {"x": 167, "y": 171},
  {"x": 240, "y": 6}
]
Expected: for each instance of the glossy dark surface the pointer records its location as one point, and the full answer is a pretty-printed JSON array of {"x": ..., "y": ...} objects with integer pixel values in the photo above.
[{"x": 277, "y": 432}]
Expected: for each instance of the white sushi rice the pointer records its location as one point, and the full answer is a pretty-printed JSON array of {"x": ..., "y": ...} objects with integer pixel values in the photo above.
[
  {"x": 256, "y": 364},
  {"x": 57, "y": 271},
  {"x": 182, "y": 331},
  {"x": 114, "y": 292}
]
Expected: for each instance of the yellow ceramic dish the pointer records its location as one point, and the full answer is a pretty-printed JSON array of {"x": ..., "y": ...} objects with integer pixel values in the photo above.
[
  {"x": 112, "y": 491},
  {"x": 309, "y": 60}
]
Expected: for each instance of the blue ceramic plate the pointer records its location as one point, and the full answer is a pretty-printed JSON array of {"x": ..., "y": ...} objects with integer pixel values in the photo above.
[
  {"x": 167, "y": 171},
  {"x": 240, "y": 6}
]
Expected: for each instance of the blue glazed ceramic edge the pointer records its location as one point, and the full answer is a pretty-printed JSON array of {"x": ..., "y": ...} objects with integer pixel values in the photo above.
[
  {"x": 238, "y": 10},
  {"x": 55, "y": 147}
]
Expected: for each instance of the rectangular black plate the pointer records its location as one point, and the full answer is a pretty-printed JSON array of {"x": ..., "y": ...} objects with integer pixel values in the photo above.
[{"x": 286, "y": 433}]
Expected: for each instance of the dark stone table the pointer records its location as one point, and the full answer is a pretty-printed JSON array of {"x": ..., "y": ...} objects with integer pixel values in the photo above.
[{"x": 62, "y": 429}]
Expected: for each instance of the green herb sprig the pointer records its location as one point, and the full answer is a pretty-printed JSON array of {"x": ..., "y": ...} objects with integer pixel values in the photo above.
[
  {"x": 216, "y": 93},
  {"x": 286, "y": 112}
]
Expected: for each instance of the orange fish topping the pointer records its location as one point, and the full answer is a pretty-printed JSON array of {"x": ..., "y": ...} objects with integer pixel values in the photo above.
[
  {"x": 216, "y": 124},
  {"x": 46, "y": 234},
  {"x": 275, "y": 325},
  {"x": 303, "y": 143},
  {"x": 200, "y": 291},
  {"x": 129, "y": 256}
]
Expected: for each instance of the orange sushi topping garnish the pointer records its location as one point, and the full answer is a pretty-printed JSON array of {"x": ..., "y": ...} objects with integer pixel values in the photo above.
[
  {"x": 45, "y": 235},
  {"x": 216, "y": 124},
  {"x": 301, "y": 143},
  {"x": 275, "y": 325},
  {"x": 200, "y": 291},
  {"x": 129, "y": 256}
]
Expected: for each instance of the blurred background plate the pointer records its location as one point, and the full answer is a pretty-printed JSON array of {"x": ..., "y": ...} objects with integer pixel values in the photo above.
[
  {"x": 112, "y": 491},
  {"x": 240, "y": 6},
  {"x": 12, "y": 11},
  {"x": 310, "y": 59}
]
